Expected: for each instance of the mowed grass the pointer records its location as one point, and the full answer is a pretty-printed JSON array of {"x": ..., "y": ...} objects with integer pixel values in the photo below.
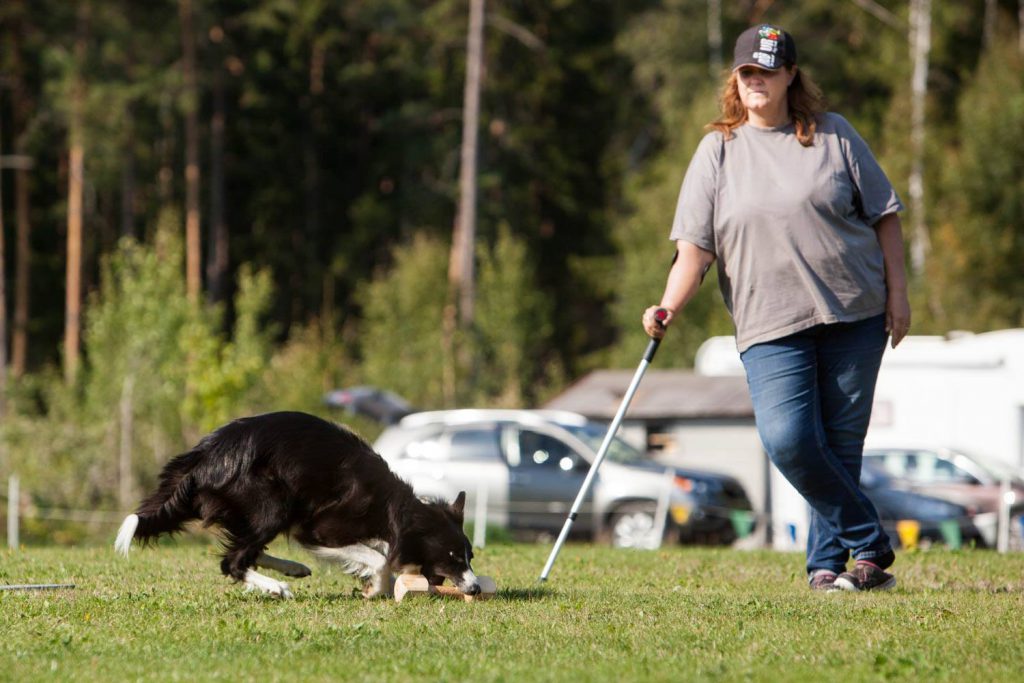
[{"x": 680, "y": 614}]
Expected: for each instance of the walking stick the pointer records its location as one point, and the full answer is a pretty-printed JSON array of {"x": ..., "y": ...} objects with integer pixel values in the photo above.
[{"x": 659, "y": 316}]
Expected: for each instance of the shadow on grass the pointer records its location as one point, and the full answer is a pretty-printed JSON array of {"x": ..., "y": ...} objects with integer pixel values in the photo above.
[
  {"x": 523, "y": 594},
  {"x": 311, "y": 594},
  {"x": 503, "y": 595}
]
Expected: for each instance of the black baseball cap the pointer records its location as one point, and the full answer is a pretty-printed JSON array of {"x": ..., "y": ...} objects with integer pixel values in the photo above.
[{"x": 764, "y": 46}]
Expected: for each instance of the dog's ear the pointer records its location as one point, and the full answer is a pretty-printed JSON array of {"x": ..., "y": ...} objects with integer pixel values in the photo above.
[{"x": 459, "y": 505}]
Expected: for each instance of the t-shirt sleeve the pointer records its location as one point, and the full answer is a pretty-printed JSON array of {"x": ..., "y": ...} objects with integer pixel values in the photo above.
[
  {"x": 875, "y": 194},
  {"x": 695, "y": 211}
]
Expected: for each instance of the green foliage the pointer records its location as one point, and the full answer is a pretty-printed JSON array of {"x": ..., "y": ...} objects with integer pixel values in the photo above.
[
  {"x": 513, "y": 326},
  {"x": 60, "y": 461},
  {"x": 401, "y": 335},
  {"x": 310, "y": 363},
  {"x": 222, "y": 374},
  {"x": 980, "y": 246},
  {"x": 132, "y": 329},
  {"x": 500, "y": 362},
  {"x": 158, "y": 373}
]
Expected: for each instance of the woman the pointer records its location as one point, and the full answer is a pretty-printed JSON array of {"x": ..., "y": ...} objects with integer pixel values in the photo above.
[{"x": 803, "y": 225}]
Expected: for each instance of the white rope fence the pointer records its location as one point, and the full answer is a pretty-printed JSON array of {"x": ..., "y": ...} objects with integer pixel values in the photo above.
[{"x": 1005, "y": 532}]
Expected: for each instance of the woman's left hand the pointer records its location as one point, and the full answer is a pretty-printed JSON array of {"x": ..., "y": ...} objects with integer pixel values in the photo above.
[{"x": 897, "y": 316}]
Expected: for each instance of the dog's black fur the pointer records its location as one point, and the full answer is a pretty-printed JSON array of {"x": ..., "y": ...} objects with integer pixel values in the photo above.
[{"x": 289, "y": 472}]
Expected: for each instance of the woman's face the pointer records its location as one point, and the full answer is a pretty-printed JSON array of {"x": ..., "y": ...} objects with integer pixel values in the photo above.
[{"x": 763, "y": 92}]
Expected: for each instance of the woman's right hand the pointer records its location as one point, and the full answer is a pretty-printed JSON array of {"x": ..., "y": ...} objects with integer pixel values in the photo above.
[{"x": 653, "y": 328}]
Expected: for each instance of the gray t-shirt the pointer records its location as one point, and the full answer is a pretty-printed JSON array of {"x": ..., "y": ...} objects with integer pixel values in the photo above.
[{"x": 791, "y": 226}]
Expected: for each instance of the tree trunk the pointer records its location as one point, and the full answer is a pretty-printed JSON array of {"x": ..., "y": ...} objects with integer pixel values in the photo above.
[
  {"x": 1020, "y": 27},
  {"x": 715, "y": 38},
  {"x": 23, "y": 108},
  {"x": 73, "y": 298},
  {"x": 193, "y": 274},
  {"x": 23, "y": 256},
  {"x": 989, "y": 23},
  {"x": 461, "y": 291},
  {"x": 3, "y": 288},
  {"x": 125, "y": 483},
  {"x": 217, "y": 252},
  {"x": 310, "y": 157},
  {"x": 165, "y": 176},
  {"x": 76, "y": 171},
  {"x": 128, "y": 178},
  {"x": 920, "y": 46},
  {"x": 460, "y": 271}
]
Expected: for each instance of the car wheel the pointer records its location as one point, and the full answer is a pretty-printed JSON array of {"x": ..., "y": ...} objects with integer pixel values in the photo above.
[{"x": 634, "y": 526}]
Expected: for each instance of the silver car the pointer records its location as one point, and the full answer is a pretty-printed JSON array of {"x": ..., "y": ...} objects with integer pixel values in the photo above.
[{"x": 525, "y": 469}]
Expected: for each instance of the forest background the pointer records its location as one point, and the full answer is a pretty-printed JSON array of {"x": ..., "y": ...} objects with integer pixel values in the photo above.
[{"x": 212, "y": 208}]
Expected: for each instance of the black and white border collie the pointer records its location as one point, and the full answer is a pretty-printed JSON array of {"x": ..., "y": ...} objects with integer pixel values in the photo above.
[{"x": 293, "y": 473}]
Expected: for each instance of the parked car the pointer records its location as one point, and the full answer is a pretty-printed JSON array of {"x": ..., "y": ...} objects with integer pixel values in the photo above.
[
  {"x": 376, "y": 404},
  {"x": 527, "y": 468},
  {"x": 944, "y": 467},
  {"x": 895, "y": 501},
  {"x": 969, "y": 480},
  {"x": 719, "y": 495}
]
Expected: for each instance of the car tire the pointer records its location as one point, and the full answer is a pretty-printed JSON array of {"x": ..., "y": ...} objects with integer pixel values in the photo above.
[{"x": 634, "y": 526}]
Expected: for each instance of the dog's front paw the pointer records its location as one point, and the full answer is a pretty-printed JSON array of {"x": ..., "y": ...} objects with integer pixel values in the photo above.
[
  {"x": 371, "y": 589},
  {"x": 378, "y": 586},
  {"x": 267, "y": 585},
  {"x": 280, "y": 591}
]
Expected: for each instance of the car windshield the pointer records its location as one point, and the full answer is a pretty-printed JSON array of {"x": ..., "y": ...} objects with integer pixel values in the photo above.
[
  {"x": 593, "y": 435},
  {"x": 997, "y": 469}
]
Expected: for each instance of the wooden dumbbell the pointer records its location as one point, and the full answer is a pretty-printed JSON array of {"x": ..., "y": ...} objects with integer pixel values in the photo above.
[{"x": 416, "y": 584}]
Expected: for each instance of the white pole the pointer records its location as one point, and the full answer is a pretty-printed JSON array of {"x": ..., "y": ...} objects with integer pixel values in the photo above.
[
  {"x": 652, "y": 347},
  {"x": 12, "y": 512},
  {"x": 480, "y": 516},
  {"x": 1006, "y": 497},
  {"x": 661, "y": 513}
]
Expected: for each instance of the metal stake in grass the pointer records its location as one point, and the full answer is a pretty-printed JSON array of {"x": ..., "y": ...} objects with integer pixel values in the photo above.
[
  {"x": 659, "y": 316},
  {"x": 38, "y": 587}
]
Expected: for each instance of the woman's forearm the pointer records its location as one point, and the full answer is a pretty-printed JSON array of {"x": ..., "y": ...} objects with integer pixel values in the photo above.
[
  {"x": 889, "y": 232},
  {"x": 685, "y": 276}
]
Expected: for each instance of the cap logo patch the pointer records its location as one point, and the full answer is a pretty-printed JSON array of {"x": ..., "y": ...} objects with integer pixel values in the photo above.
[{"x": 764, "y": 46}]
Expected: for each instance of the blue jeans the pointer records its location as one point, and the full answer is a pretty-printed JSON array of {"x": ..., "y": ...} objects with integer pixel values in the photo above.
[{"x": 812, "y": 393}]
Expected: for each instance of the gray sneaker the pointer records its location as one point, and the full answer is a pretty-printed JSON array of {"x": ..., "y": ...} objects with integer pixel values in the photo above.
[
  {"x": 823, "y": 580},
  {"x": 865, "y": 576}
]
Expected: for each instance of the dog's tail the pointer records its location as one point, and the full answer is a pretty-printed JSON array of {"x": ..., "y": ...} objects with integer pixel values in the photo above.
[{"x": 168, "y": 508}]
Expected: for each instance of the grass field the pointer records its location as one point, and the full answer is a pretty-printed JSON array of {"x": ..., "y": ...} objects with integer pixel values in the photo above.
[{"x": 605, "y": 615}]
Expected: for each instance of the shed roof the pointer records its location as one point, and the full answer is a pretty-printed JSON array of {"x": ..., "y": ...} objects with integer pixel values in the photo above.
[{"x": 663, "y": 394}]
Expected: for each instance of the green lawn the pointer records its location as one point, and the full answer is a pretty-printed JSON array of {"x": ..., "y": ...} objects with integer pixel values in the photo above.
[{"x": 605, "y": 615}]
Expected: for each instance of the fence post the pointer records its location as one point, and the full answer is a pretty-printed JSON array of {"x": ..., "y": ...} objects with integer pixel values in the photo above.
[
  {"x": 13, "y": 497},
  {"x": 1006, "y": 496},
  {"x": 661, "y": 511},
  {"x": 480, "y": 516}
]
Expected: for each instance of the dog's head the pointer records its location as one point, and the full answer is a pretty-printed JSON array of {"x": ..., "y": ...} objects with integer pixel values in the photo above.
[{"x": 433, "y": 544}]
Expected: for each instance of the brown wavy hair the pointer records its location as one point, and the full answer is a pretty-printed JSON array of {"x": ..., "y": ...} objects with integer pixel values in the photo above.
[{"x": 805, "y": 100}]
